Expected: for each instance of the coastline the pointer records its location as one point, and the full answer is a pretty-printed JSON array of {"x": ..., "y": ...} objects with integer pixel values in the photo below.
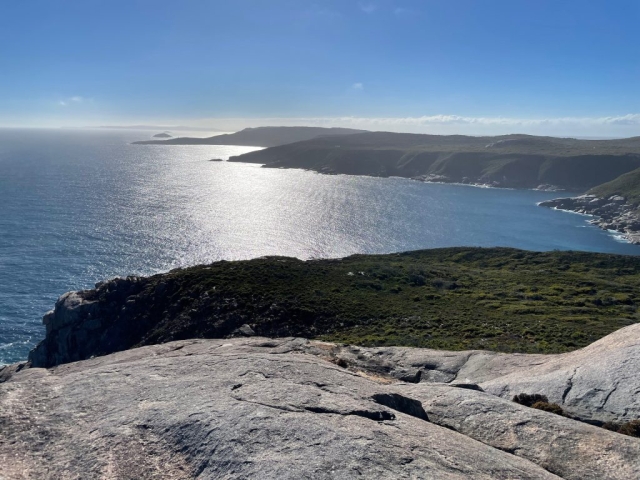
[{"x": 612, "y": 214}]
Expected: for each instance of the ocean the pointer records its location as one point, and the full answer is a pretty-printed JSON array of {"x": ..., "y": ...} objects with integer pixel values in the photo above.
[{"x": 80, "y": 206}]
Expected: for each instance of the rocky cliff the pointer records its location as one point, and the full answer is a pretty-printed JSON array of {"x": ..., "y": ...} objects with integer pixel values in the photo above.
[
  {"x": 612, "y": 213},
  {"x": 294, "y": 408}
]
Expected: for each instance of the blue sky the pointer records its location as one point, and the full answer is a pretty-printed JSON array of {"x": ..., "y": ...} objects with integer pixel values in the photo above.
[{"x": 435, "y": 66}]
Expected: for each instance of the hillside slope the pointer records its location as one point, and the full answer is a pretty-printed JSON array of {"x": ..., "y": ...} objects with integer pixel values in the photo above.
[
  {"x": 515, "y": 161},
  {"x": 627, "y": 186},
  {"x": 257, "y": 137},
  {"x": 614, "y": 205},
  {"x": 457, "y": 298}
]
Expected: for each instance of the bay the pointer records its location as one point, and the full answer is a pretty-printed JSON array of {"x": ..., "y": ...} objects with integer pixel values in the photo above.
[{"x": 79, "y": 206}]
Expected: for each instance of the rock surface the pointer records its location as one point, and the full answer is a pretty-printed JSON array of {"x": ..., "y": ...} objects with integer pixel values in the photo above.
[
  {"x": 613, "y": 213},
  {"x": 598, "y": 383},
  {"x": 294, "y": 408}
]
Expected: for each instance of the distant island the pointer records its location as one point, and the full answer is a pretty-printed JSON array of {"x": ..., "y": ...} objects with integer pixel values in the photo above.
[
  {"x": 258, "y": 137},
  {"x": 162, "y": 135}
]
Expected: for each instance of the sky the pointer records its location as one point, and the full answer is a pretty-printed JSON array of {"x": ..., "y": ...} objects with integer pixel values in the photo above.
[{"x": 553, "y": 67}]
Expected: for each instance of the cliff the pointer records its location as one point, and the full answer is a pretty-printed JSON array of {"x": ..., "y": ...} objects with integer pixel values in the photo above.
[
  {"x": 257, "y": 137},
  {"x": 457, "y": 298},
  {"x": 514, "y": 161}
]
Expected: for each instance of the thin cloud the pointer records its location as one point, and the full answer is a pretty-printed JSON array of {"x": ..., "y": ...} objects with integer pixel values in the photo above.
[
  {"x": 71, "y": 100},
  {"x": 632, "y": 119},
  {"x": 367, "y": 7},
  {"x": 357, "y": 86}
]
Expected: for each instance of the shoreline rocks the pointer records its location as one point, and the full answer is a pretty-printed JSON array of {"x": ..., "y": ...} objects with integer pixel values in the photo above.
[{"x": 612, "y": 213}]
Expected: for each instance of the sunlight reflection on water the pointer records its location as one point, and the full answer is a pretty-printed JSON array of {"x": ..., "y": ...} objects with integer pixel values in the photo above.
[{"x": 78, "y": 207}]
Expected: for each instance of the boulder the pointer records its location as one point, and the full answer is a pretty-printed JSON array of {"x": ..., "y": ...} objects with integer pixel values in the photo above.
[{"x": 598, "y": 383}]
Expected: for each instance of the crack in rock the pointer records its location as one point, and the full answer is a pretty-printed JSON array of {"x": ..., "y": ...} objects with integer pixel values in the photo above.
[
  {"x": 569, "y": 385},
  {"x": 401, "y": 404},
  {"x": 378, "y": 416},
  {"x": 615, "y": 387}
]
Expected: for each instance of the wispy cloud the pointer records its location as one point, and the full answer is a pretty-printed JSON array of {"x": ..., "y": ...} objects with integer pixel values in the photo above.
[
  {"x": 620, "y": 125},
  {"x": 71, "y": 100},
  {"x": 632, "y": 119},
  {"x": 367, "y": 7},
  {"x": 357, "y": 86}
]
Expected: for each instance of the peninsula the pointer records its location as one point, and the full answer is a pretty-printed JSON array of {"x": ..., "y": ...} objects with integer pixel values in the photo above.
[
  {"x": 510, "y": 161},
  {"x": 257, "y": 137},
  {"x": 614, "y": 205},
  {"x": 607, "y": 170},
  {"x": 203, "y": 372}
]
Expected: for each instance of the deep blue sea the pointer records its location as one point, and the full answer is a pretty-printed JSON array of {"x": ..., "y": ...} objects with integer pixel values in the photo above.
[{"x": 80, "y": 206}]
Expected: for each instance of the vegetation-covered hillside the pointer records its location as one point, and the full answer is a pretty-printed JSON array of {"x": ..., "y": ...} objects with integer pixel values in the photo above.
[
  {"x": 457, "y": 298},
  {"x": 517, "y": 161},
  {"x": 627, "y": 185}
]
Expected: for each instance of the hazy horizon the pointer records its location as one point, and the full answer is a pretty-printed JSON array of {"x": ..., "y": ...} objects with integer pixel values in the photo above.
[{"x": 395, "y": 65}]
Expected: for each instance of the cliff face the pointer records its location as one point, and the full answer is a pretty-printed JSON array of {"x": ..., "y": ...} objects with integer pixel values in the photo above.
[{"x": 293, "y": 408}]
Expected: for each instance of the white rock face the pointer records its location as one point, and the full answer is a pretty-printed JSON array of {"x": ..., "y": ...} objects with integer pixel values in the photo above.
[
  {"x": 259, "y": 408},
  {"x": 598, "y": 382}
]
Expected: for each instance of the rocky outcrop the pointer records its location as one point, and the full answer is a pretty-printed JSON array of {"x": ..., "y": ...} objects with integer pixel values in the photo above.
[
  {"x": 293, "y": 408},
  {"x": 596, "y": 383},
  {"x": 85, "y": 323},
  {"x": 612, "y": 213}
]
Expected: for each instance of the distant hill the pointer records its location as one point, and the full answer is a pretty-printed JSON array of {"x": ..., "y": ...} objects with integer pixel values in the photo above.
[
  {"x": 627, "y": 186},
  {"x": 258, "y": 137},
  {"x": 514, "y": 161},
  {"x": 162, "y": 135}
]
